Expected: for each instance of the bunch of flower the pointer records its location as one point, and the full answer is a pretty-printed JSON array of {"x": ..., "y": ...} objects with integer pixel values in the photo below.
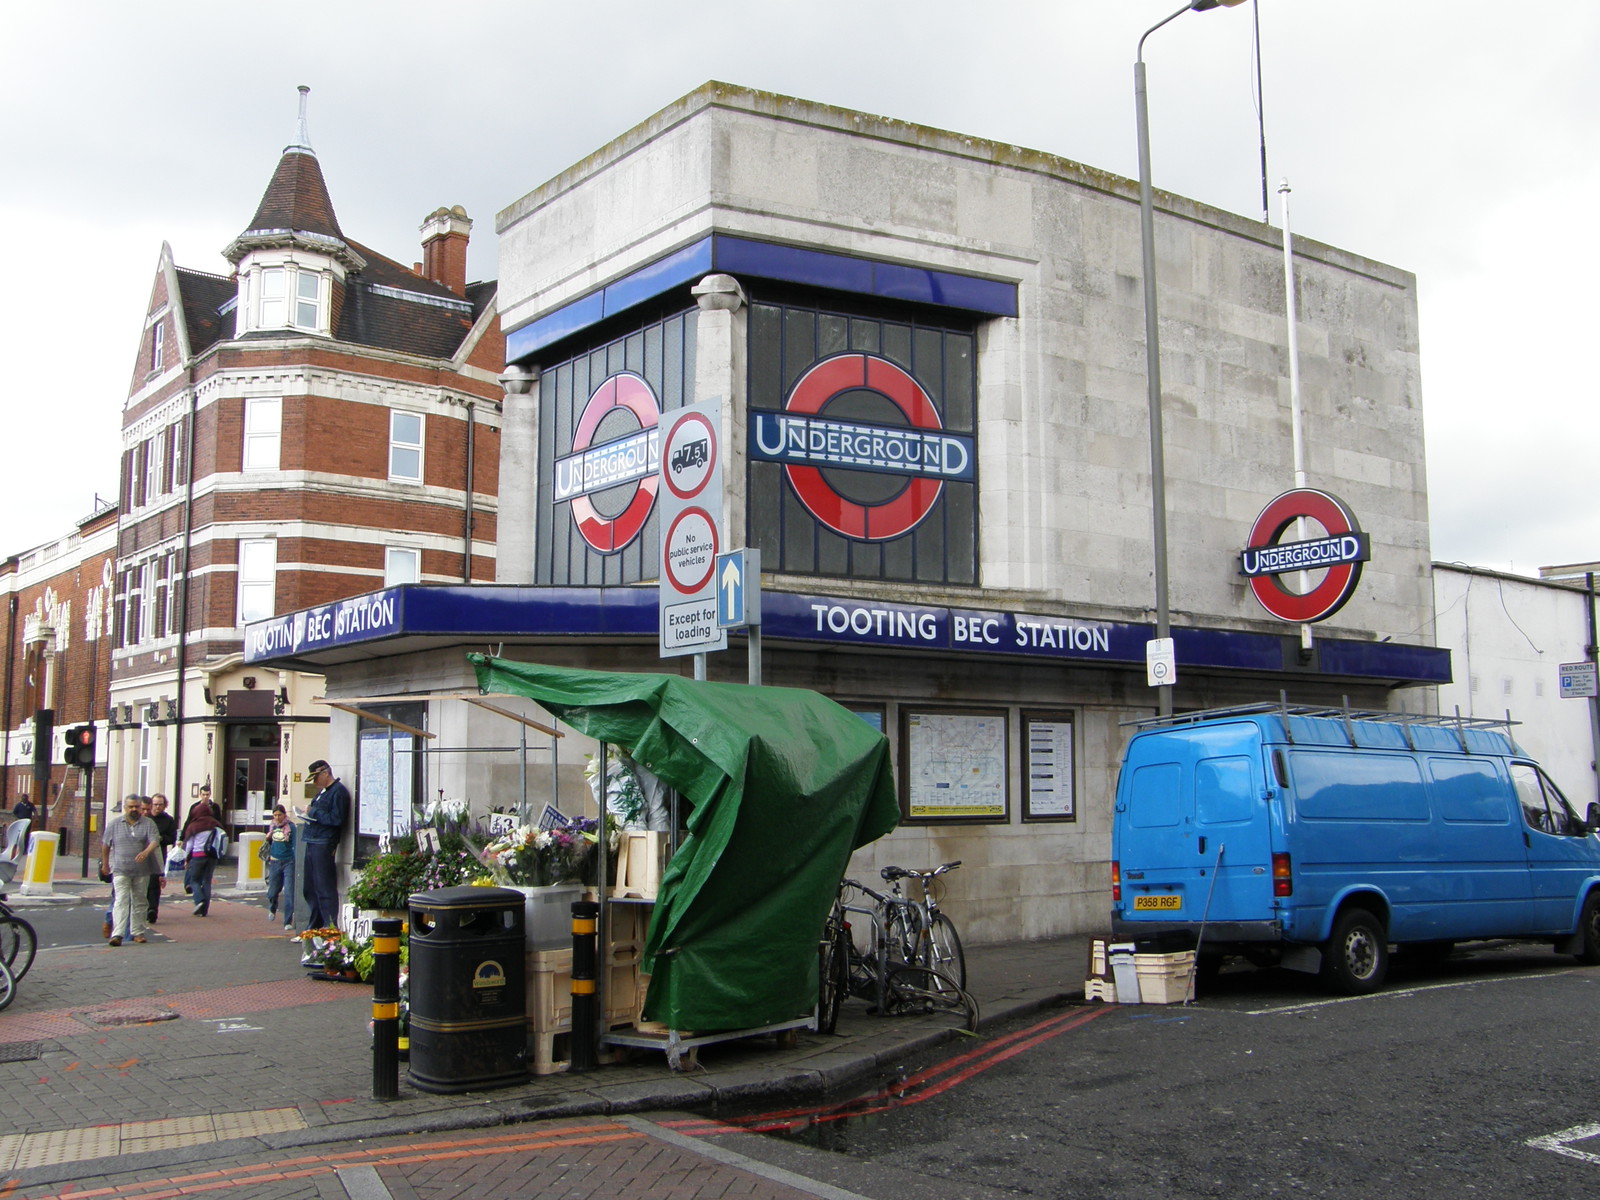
[
  {"x": 531, "y": 857},
  {"x": 452, "y": 866},
  {"x": 447, "y": 816},
  {"x": 586, "y": 856}
]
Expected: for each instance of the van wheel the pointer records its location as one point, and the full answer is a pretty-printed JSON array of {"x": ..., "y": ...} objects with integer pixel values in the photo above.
[
  {"x": 1589, "y": 931},
  {"x": 1356, "y": 958}
]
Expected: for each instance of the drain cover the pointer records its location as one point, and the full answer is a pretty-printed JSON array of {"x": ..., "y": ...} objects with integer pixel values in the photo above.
[{"x": 11, "y": 1052}]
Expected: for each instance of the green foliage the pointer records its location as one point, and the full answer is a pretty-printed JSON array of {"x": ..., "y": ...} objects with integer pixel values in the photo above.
[{"x": 388, "y": 879}]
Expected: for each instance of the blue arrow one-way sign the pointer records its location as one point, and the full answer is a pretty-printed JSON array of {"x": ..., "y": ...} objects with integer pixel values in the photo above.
[{"x": 738, "y": 576}]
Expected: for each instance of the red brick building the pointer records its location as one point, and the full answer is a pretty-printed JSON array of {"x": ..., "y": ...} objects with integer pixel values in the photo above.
[
  {"x": 321, "y": 422},
  {"x": 57, "y": 624}
]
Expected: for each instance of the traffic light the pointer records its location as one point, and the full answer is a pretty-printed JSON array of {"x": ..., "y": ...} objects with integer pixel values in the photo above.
[
  {"x": 44, "y": 736},
  {"x": 79, "y": 749}
]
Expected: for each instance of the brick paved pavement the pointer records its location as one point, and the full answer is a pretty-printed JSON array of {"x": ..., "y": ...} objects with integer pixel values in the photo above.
[
  {"x": 226, "y": 1022},
  {"x": 624, "y": 1159}
]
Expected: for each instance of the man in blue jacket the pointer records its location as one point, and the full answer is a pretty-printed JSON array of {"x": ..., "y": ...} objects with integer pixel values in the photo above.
[{"x": 324, "y": 825}]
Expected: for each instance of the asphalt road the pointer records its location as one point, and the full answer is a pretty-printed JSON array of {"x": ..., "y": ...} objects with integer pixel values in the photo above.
[{"x": 1440, "y": 1084}]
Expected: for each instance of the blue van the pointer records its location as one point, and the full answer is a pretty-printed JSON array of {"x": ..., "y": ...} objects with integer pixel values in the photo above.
[{"x": 1317, "y": 838}]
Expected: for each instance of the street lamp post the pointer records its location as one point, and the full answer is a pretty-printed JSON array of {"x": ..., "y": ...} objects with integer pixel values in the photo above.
[{"x": 1152, "y": 342}]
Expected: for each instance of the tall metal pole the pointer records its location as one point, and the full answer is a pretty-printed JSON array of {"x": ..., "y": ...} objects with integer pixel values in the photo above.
[
  {"x": 1152, "y": 356},
  {"x": 1296, "y": 417}
]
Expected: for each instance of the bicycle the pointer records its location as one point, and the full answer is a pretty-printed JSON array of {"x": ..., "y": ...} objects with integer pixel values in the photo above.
[
  {"x": 929, "y": 939},
  {"x": 18, "y": 941},
  {"x": 900, "y": 969}
]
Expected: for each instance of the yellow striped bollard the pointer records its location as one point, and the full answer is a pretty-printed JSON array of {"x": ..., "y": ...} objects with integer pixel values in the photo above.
[{"x": 386, "y": 1008}]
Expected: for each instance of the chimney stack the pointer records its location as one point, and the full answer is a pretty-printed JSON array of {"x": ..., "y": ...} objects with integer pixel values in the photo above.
[{"x": 444, "y": 248}]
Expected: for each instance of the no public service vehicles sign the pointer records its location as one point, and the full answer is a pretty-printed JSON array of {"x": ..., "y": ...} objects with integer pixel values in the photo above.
[
  {"x": 1339, "y": 554},
  {"x": 691, "y": 530}
]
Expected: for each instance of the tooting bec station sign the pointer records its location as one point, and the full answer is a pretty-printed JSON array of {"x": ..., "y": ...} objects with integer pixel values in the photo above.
[{"x": 1338, "y": 554}]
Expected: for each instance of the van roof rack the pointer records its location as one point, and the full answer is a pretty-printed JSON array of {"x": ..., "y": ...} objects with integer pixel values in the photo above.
[{"x": 1348, "y": 715}]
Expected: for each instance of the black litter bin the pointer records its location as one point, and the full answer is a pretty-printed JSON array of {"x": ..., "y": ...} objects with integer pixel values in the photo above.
[{"x": 468, "y": 979}]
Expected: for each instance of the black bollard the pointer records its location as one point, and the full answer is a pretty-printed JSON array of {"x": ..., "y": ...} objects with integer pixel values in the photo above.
[
  {"x": 585, "y": 1017},
  {"x": 386, "y": 1008}
]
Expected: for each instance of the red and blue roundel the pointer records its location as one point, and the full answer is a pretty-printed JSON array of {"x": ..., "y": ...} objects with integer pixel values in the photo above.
[
  {"x": 1340, "y": 554},
  {"x": 863, "y": 447},
  {"x": 616, "y": 450}
]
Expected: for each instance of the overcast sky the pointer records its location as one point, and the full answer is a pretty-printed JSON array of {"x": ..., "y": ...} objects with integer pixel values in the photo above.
[{"x": 1458, "y": 139}]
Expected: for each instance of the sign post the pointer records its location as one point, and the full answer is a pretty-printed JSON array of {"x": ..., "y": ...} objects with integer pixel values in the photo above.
[
  {"x": 691, "y": 531},
  {"x": 739, "y": 600}
]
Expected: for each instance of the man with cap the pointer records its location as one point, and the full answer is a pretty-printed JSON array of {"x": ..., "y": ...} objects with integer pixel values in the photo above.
[{"x": 324, "y": 821}]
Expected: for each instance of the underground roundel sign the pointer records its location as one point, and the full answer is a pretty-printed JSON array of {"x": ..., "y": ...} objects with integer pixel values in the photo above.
[
  {"x": 1335, "y": 556},
  {"x": 611, "y": 476},
  {"x": 862, "y": 446}
]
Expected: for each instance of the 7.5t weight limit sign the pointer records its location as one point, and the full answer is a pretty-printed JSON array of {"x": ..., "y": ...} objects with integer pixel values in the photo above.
[{"x": 691, "y": 529}]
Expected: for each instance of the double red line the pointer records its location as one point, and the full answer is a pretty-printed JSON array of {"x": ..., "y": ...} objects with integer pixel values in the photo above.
[{"x": 914, "y": 1089}]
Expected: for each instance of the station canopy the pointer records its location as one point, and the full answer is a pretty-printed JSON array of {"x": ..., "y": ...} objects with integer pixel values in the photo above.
[{"x": 783, "y": 785}]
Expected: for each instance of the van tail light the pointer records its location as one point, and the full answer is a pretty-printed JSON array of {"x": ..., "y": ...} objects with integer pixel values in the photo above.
[
  {"x": 1282, "y": 876},
  {"x": 1116, "y": 883}
]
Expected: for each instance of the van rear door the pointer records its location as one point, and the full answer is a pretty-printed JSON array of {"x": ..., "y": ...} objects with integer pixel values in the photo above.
[{"x": 1194, "y": 794}]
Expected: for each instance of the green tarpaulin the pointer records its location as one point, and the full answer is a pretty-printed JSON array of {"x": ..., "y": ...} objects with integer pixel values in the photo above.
[{"x": 784, "y": 784}]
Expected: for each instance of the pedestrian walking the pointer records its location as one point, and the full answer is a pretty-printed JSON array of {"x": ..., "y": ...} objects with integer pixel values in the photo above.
[
  {"x": 128, "y": 852},
  {"x": 200, "y": 834},
  {"x": 278, "y": 850},
  {"x": 166, "y": 825},
  {"x": 324, "y": 825},
  {"x": 204, "y": 804}
]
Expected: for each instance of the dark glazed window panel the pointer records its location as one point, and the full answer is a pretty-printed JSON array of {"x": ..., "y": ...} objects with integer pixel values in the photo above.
[
  {"x": 896, "y": 347},
  {"x": 960, "y": 402},
  {"x": 833, "y": 335},
  {"x": 786, "y": 340},
  {"x": 766, "y": 350},
  {"x": 799, "y": 345}
]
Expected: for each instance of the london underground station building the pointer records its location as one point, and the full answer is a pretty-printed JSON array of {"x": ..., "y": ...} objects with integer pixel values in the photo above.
[{"x": 929, "y": 355}]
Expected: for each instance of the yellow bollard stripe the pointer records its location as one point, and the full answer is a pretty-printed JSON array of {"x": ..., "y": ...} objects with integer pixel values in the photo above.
[
  {"x": 386, "y": 945},
  {"x": 385, "y": 1012},
  {"x": 585, "y": 925},
  {"x": 583, "y": 987}
]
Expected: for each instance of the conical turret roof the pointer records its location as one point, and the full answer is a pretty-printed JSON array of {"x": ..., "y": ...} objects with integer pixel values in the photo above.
[{"x": 296, "y": 208}]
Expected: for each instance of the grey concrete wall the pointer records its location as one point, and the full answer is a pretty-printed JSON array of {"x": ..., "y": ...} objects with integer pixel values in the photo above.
[{"x": 1064, "y": 449}]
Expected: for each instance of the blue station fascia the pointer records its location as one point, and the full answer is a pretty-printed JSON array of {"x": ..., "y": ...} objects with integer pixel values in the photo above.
[{"x": 493, "y": 612}]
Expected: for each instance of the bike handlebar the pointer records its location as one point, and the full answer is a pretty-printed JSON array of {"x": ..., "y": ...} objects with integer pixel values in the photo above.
[{"x": 893, "y": 873}]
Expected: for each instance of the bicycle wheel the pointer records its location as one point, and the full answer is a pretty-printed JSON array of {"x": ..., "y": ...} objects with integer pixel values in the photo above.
[
  {"x": 948, "y": 957},
  {"x": 8, "y": 986},
  {"x": 902, "y": 941},
  {"x": 17, "y": 944},
  {"x": 833, "y": 975},
  {"x": 916, "y": 990}
]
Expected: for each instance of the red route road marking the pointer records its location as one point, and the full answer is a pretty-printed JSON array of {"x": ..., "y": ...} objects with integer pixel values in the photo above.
[{"x": 981, "y": 1059}]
